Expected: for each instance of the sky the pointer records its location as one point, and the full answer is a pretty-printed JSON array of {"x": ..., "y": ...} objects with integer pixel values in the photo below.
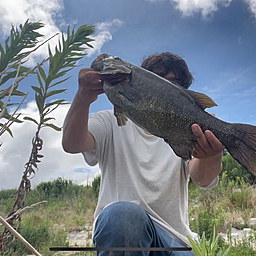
[{"x": 217, "y": 39}]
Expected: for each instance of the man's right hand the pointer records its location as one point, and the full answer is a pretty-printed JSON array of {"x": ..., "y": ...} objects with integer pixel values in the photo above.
[
  {"x": 76, "y": 137},
  {"x": 90, "y": 84}
]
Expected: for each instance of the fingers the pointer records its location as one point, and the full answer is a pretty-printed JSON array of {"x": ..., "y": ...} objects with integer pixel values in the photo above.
[
  {"x": 90, "y": 79},
  {"x": 206, "y": 144},
  {"x": 201, "y": 138},
  {"x": 215, "y": 144}
]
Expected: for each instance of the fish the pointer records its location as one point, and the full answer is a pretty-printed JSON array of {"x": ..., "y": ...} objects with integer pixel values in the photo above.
[{"x": 168, "y": 110}]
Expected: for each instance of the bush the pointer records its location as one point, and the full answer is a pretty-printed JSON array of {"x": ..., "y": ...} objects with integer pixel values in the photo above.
[
  {"x": 36, "y": 231},
  {"x": 235, "y": 170},
  {"x": 96, "y": 186}
]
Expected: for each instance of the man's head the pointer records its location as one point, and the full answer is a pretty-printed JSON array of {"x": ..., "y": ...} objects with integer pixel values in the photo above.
[{"x": 164, "y": 63}]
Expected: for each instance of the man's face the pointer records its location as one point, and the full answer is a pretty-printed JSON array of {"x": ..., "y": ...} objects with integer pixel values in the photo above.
[{"x": 170, "y": 76}]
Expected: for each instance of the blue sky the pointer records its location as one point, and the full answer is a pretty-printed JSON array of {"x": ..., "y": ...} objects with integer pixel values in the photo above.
[{"x": 217, "y": 38}]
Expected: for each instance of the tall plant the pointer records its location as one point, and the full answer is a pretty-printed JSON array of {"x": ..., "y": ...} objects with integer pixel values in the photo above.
[
  {"x": 69, "y": 50},
  {"x": 16, "y": 48}
]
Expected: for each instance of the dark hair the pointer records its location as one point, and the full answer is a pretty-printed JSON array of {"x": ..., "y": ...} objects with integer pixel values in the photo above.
[{"x": 165, "y": 62}]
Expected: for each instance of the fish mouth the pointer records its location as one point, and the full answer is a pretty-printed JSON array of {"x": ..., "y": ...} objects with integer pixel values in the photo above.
[{"x": 116, "y": 79}]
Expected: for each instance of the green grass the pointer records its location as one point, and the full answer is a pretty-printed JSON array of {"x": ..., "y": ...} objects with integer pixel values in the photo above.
[{"x": 71, "y": 207}]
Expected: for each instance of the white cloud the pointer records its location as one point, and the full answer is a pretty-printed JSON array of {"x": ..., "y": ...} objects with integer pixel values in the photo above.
[
  {"x": 207, "y": 8},
  {"x": 252, "y": 6},
  {"x": 14, "y": 153},
  {"x": 104, "y": 33},
  {"x": 18, "y": 11}
]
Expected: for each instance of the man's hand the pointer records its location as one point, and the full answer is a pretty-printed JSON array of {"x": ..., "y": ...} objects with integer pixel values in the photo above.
[
  {"x": 76, "y": 137},
  {"x": 206, "y": 164},
  {"x": 207, "y": 144},
  {"x": 90, "y": 84}
]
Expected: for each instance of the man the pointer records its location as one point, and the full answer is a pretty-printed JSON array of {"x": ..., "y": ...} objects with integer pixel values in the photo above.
[{"x": 143, "y": 199}]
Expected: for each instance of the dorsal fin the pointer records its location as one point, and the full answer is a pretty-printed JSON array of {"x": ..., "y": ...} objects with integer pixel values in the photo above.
[{"x": 202, "y": 100}]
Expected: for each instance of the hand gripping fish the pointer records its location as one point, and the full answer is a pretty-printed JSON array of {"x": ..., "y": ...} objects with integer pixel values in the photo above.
[{"x": 168, "y": 110}]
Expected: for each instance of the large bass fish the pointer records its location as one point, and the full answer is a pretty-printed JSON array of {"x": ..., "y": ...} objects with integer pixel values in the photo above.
[{"x": 168, "y": 110}]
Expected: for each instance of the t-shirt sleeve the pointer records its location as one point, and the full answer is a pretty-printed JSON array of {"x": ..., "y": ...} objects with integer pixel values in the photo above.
[
  {"x": 100, "y": 126},
  {"x": 213, "y": 184}
]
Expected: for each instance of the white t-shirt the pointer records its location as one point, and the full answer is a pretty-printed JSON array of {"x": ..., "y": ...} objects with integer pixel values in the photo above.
[{"x": 143, "y": 169}]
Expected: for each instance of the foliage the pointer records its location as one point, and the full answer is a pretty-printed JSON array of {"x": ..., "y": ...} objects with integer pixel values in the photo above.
[
  {"x": 11, "y": 55},
  {"x": 234, "y": 170},
  {"x": 208, "y": 247},
  {"x": 96, "y": 185},
  {"x": 205, "y": 223},
  {"x": 37, "y": 232},
  {"x": 68, "y": 52},
  {"x": 5, "y": 194},
  {"x": 73, "y": 206},
  {"x": 70, "y": 207},
  {"x": 57, "y": 190}
]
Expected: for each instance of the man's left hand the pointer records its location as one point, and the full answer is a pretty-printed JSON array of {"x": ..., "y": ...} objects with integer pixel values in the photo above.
[{"x": 207, "y": 145}]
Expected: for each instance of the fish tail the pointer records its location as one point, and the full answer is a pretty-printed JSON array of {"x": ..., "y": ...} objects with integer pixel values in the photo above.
[{"x": 244, "y": 146}]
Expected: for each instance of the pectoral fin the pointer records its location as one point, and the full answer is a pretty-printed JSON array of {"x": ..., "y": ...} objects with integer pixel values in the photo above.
[
  {"x": 130, "y": 94},
  {"x": 120, "y": 117}
]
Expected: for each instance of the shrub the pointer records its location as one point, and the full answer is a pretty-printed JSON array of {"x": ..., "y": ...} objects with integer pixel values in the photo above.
[{"x": 96, "y": 186}]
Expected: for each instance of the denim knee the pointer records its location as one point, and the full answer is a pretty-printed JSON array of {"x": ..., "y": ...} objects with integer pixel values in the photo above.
[{"x": 123, "y": 224}]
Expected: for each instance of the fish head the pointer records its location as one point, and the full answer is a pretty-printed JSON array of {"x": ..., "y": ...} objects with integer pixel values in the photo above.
[{"x": 116, "y": 75}]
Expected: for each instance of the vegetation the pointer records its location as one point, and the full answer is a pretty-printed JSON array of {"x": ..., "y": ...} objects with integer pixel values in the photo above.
[
  {"x": 70, "y": 207},
  {"x": 69, "y": 50}
]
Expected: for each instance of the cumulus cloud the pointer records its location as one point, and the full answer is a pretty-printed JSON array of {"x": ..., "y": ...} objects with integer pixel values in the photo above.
[
  {"x": 14, "y": 153},
  {"x": 207, "y": 8},
  {"x": 252, "y": 6},
  {"x": 104, "y": 31},
  {"x": 18, "y": 11}
]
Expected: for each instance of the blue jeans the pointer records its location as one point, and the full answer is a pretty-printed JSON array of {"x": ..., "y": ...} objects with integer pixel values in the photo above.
[{"x": 125, "y": 224}]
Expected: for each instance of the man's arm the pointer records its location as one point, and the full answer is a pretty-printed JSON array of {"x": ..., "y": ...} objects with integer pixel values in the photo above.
[
  {"x": 76, "y": 137},
  {"x": 206, "y": 164}
]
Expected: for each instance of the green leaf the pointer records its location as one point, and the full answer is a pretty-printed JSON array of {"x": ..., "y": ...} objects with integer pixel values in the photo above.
[
  {"x": 37, "y": 89},
  {"x": 56, "y": 102},
  {"x": 60, "y": 74},
  {"x": 18, "y": 93},
  {"x": 61, "y": 81},
  {"x": 39, "y": 80},
  {"x": 30, "y": 119},
  {"x": 51, "y": 93},
  {"x": 56, "y": 128},
  {"x": 11, "y": 118},
  {"x": 39, "y": 102},
  {"x": 5, "y": 128},
  {"x": 48, "y": 119},
  {"x": 18, "y": 42},
  {"x": 49, "y": 50},
  {"x": 196, "y": 249},
  {"x": 8, "y": 76},
  {"x": 42, "y": 73},
  {"x": 89, "y": 45},
  {"x": 2, "y": 50}
]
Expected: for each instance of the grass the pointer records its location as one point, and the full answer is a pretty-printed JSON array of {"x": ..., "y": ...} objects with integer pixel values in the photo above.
[{"x": 70, "y": 207}]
